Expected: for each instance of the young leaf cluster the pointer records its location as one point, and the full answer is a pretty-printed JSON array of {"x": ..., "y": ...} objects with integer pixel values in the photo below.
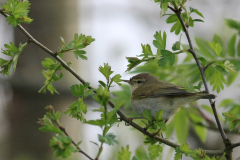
[
  {"x": 50, "y": 75},
  {"x": 154, "y": 123},
  {"x": 78, "y": 108},
  {"x": 80, "y": 41},
  {"x": 163, "y": 56},
  {"x": 140, "y": 153},
  {"x": 106, "y": 71},
  {"x": 17, "y": 11},
  {"x": 61, "y": 144},
  {"x": 233, "y": 119},
  {"x": 13, "y": 52}
]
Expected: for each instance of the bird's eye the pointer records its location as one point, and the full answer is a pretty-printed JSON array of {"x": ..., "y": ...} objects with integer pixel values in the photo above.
[{"x": 139, "y": 81}]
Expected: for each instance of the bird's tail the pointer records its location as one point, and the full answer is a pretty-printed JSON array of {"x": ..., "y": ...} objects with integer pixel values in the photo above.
[{"x": 207, "y": 96}]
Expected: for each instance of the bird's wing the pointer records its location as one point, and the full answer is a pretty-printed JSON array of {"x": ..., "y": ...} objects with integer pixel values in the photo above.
[{"x": 167, "y": 89}]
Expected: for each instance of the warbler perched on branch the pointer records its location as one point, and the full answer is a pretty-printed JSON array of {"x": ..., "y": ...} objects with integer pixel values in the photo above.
[{"x": 148, "y": 92}]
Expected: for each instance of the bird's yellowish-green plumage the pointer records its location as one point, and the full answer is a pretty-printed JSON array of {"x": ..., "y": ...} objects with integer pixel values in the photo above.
[{"x": 148, "y": 92}]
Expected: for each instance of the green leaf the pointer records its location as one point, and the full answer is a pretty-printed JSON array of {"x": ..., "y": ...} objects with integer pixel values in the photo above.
[
  {"x": 229, "y": 67},
  {"x": 199, "y": 130},
  {"x": 11, "y": 48},
  {"x": 204, "y": 48},
  {"x": 181, "y": 122},
  {"x": 3, "y": 62},
  {"x": 50, "y": 129},
  {"x": 80, "y": 53},
  {"x": 81, "y": 90},
  {"x": 63, "y": 41},
  {"x": 102, "y": 83},
  {"x": 218, "y": 39},
  {"x": 123, "y": 95},
  {"x": 167, "y": 57},
  {"x": 180, "y": 150},
  {"x": 233, "y": 24},
  {"x": 6, "y": 65},
  {"x": 116, "y": 79},
  {"x": 141, "y": 153},
  {"x": 160, "y": 40},
  {"x": 217, "y": 81},
  {"x": 231, "y": 78},
  {"x": 158, "y": 116},
  {"x": 195, "y": 11},
  {"x": 108, "y": 139},
  {"x": 146, "y": 50},
  {"x": 62, "y": 146},
  {"x": 98, "y": 122},
  {"x": 172, "y": 18},
  {"x": 176, "y": 46},
  {"x": 185, "y": 148},
  {"x": 177, "y": 27},
  {"x": 216, "y": 47},
  {"x": 154, "y": 151},
  {"x": 18, "y": 11},
  {"x": 106, "y": 70},
  {"x": 170, "y": 129},
  {"x": 147, "y": 115},
  {"x": 238, "y": 48},
  {"x": 133, "y": 62},
  {"x": 124, "y": 154},
  {"x": 82, "y": 41},
  {"x": 226, "y": 103},
  {"x": 49, "y": 64},
  {"x": 198, "y": 20},
  {"x": 102, "y": 96},
  {"x": 231, "y": 45},
  {"x": 76, "y": 110},
  {"x": 12, "y": 21},
  {"x": 233, "y": 119}
]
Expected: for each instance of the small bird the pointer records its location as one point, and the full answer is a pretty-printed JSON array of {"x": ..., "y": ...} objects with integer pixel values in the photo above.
[{"x": 148, "y": 92}]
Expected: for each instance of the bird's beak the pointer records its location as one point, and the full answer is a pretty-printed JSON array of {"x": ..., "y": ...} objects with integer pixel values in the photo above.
[{"x": 126, "y": 81}]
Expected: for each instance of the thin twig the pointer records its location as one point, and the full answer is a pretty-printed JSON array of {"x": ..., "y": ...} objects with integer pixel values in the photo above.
[
  {"x": 123, "y": 117},
  {"x": 79, "y": 150},
  {"x": 226, "y": 141},
  {"x": 235, "y": 145},
  {"x": 208, "y": 65}
]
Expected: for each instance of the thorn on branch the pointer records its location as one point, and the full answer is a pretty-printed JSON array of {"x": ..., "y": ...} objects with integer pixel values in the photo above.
[
  {"x": 208, "y": 65},
  {"x": 30, "y": 40}
]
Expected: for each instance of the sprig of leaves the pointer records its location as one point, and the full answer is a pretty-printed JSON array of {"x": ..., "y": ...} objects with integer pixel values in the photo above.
[
  {"x": 60, "y": 143},
  {"x": 50, "y": 75},
  {"x": 106, "y": 71},
  {"x": 233, "y": 119},
  {"x": 80, "y": 41},
  {"x": 78, "y": 108},
  {"x": 17, "y": 11},
  {"x": 13, "y": 52}
]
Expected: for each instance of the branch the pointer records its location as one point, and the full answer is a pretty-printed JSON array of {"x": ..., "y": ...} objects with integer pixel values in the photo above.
[
  {"x": 122, "y": 116},
  {"x": 226, "y": 141},
  {"x": 79, "y": 150},
  {"x": 191, "y": 50},
  {"x": 235, "y": 145}
]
